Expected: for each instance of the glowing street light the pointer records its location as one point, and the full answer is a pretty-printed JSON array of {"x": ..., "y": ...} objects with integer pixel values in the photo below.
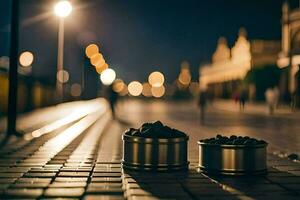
[
  {"x": 156, "y": 79},
  {"x": 91, "y": 50},
  {"x": 101, "y": 68},
  {"x": 26, "y": 59},
  {"x": 62, "y": 9},
  {"x": 158, "y": 91},
  {"x": 135, "y": 88},
  {"x": 108, "y": 76}
]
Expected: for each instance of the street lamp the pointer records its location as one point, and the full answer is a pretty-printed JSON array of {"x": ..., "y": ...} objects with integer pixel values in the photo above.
[{"x": 62, "y": 9}]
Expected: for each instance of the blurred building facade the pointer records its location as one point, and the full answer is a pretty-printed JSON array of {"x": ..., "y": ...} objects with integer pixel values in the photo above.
[
  {"x": 229, "y": 66},
  {"x": 289, "y": 56}
]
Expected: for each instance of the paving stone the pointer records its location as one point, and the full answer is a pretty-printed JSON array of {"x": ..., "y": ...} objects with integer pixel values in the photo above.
[
  {"x": 35, "y": 193},
  {"x": 64, "y": 192},
  {"x": 67, "y": 184},
  {"x": 71, "y": 179},
  {"x": 107, "y": 179},
  {"x": 73, "y": 174},
  {"x": 103, "y": 197},
  {"x": 34, "y": 180},
  {"x": 7, "y": 180},
  {"x": 112, "y": 174},
  {"x": 107, "y": 184},
  {"x": 105, "y": 190},
  {"x": 40, "y": 175},
  {"x": 15, "y": 169},
  {"x": 30, "y": 185},
  {"x": 281, "y": 180},
  {"x": 10, "y": 175},
  {"x": 3, "y": 186}
]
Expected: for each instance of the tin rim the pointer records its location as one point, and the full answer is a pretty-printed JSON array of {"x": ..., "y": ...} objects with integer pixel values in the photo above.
[
  {"x": 233, "y": 146},
  {"x": 150, "y": 167},
  {"x": 130, "y": 138}
]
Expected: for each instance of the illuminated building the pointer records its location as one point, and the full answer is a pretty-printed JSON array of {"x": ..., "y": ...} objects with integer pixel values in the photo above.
[
  {"x": 290, "y": 52},
  {"x": 229, "y": 66}
]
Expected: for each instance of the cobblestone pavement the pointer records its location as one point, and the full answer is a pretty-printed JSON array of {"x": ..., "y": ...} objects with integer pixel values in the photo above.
[{"x": 80, "y": 159}]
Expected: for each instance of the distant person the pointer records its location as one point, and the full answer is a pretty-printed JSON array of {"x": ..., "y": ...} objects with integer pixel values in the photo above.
[
  {"x": 276, "y": 96},
  {"x": 271, "y": 100},
  {"x": 242, "y": 99},
  {"x": 112, "y": 97},
  {"x": 236, "y": 97},
  {"x": 202, "y": 105}
]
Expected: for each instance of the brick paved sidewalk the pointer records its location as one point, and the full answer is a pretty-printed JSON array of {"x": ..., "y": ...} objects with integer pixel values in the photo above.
[{"x": 82, "y": 161}]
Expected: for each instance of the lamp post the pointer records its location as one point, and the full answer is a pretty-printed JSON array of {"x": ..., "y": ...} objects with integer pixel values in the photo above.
[{"x": 62, "y": 9}]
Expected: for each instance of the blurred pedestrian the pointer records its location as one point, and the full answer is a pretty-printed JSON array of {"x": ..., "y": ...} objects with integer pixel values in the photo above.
[
  {"x": 236, "y": 97},
  {"x": 112, "y": 97},
  {"x": 270, "y": 99},
  {"x": 202, "y": 105},
  {"x": 276, "y": 96},
  {"x": 242, "y": 99}
]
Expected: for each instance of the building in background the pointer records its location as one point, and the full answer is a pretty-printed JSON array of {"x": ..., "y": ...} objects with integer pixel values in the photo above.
[
  {"x": 290, "y": 51},
  {"x": 229, "y": 67}
]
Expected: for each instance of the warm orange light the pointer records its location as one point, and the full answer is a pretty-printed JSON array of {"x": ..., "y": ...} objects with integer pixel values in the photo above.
[
  {"x": 76, "y": 90},
  {"x": 97, "y": 60},
  {"x": 118, "y": 85},
  {"x": 158, "y": 91},
  {"x": 26, "y": 59},
  {"x": 91, "y": 50},
  {"x": 135, "y": 88},
  {"x": 124, "y": 92},
  {"x": 185, "y": 77},
  {"x": 156, "y": 79},
  {"x": 100, "y": 69},
  {"x": 146, "y": 90}
]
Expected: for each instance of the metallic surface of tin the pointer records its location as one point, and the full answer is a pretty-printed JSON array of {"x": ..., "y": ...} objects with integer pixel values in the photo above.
[
  {"x": 154, "y": 154},
  {"x": 232, "y": 159}
]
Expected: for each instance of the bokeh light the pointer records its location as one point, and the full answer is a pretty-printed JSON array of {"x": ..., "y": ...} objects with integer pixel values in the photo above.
[
  {"x": 63, "y": 8},
  {"x": 62, "y": 76},
  {"x": 135, "y": 88},
  {"x": 100, "y": 69},
  {"x": 91, "y": 50},
  {"x": 156, "y": 79},
  {"x": 185, "y": 76},
  {"x": 108, "y": 76},
  {"x": 97, "y": 60},
  {"x": 76, "y": 90},
  {"x": 4, "y": 62},
  {"x": 158, "y": 91},
  {"x": 118, "y": 85},
  {"x": 26, "y": 59},
  {"x": 146, "y": 90},
  {"x": 124, "y": 92}
]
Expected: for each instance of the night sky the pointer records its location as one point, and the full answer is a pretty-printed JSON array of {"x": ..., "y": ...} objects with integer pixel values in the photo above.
[{"x": 139, "y": 36}]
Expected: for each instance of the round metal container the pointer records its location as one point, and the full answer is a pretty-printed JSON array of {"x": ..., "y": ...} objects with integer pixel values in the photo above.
[
  {"x": 154, "y": 154},
  {"x": 232, "y": 159}
]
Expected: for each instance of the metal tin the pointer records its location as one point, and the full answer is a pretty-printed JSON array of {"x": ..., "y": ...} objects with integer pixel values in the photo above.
[
  {"x": 154, "y": 154},
  {"x": 232, "y": 159}
]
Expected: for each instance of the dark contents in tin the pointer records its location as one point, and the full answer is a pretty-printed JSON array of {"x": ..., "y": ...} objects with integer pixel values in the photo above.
[
  {"x": 155, "y": 130},
  {"x": 233, "y": 140}
]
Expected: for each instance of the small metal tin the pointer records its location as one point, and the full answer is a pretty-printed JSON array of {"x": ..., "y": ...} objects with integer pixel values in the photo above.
[
  {"x": 232, "y": 159},
  {"x": 154, "y": 154}
]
